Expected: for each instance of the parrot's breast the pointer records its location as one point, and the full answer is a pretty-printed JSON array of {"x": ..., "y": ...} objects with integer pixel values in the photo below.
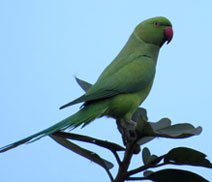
[{"x": 124, "y": 105}]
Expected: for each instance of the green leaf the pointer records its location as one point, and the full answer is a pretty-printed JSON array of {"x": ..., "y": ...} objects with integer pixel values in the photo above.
[
  {"x": 174, "y": 175},
  {"x": 83, "y": 84},
  {"x": 148, "y": 158},
  {"x": 154, "y": 159},
  {"x": 163, "y": 123},
  {"x": 144, "y": 140},
  {"x": 146, "y": 155},
  {"x": 109, "y": 145},
  {"x": 162, "y": 128},
  {"x": 140, "y": 113},
  {"x": 182, "y": 130},
  {"x": 183, "y": 155},
  {"x": 147, "y": 173},
  {"x": 83, "y": 152},
  {"x": 143, "y": 128},
  {"x": 146, "y": 132}
]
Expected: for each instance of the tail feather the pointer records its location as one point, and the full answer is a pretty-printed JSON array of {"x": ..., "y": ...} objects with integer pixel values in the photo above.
[{"x": 84, "y": 116}]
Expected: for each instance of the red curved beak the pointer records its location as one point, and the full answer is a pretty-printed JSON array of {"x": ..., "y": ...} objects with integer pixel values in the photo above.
[{"x": 168, "y": 32}]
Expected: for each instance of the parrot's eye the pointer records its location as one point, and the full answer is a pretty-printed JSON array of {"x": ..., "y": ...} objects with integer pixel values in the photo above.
[{"x": 156, "y": 24}]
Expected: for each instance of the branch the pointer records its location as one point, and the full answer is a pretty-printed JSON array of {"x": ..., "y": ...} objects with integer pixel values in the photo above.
[
  {"x": 124, "y": 165},
  {"x": 136, "y": 178},
  {"x": 142, "y": 168},
  {"x": 117, "y": 157}
]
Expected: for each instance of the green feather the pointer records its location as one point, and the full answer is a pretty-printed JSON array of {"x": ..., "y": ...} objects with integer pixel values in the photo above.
[{"x": 84, "y": 116}]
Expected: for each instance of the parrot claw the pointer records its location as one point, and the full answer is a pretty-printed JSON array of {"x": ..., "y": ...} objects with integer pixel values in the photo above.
[{"x": 127, "y": 129}]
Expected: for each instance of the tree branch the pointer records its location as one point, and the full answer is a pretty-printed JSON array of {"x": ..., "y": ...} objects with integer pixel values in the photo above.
[
  {"x": 117, "y": 157},
  {"x": 124, "y": 165},
  {"x": 142, "y": 168},
  {"x": 136, "y": 178}
]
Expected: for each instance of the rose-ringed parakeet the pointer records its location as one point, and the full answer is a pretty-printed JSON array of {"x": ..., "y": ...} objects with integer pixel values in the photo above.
[{"x": 123, "y": 85}]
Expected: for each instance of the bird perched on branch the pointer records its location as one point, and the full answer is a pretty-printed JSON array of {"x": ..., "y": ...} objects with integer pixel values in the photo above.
[{"x": 123, "y": 85}]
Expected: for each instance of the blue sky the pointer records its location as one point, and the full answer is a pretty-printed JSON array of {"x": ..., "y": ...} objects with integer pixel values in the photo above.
[{"x": 44, "y": 44}]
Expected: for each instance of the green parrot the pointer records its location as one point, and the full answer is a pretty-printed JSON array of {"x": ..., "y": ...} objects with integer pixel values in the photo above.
[{"x": 123, "y": 85}]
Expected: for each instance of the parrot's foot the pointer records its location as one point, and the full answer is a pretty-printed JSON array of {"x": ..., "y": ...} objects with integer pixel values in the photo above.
[{"x": 127, "y": 129}]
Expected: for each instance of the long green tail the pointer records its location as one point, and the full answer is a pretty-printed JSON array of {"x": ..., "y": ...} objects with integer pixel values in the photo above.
[{"x": 83, "y": 116}]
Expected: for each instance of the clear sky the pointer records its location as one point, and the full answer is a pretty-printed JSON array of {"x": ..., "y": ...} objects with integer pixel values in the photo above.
[{"x": 45, "y": 43}]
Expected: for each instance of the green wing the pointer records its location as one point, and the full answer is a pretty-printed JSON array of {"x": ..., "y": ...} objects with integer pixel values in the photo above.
[{"x": 130, "y": 77}]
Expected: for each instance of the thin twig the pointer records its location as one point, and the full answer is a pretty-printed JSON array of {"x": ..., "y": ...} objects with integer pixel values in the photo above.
[
  {"x": 117, "y": 157},
  {"x": 124, "y": 165},
  {"x": 142, "y": 168},
  {"x": 136, "y": 178},
  {"x": 110, "y": 175}
]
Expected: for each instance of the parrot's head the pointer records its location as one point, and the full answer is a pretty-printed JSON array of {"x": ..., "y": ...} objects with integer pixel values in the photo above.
[{"x": 155, "y": 30}]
